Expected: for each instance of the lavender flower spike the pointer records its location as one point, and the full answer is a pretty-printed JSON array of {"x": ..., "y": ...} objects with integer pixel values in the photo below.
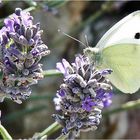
[
  {"x": 82, "y": 96},
  {"x": 21, "y": 50}
]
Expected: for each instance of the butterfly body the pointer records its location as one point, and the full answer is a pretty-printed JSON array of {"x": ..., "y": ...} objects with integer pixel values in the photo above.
[
  {"x": 94, "y": 55},
  {"x": 119, "y": 50}
]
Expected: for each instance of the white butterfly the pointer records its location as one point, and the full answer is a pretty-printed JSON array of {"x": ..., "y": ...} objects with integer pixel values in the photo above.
[{"x": 119, "y": 50}]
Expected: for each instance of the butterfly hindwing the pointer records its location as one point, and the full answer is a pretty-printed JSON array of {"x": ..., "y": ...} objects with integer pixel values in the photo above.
[{"x": 124, "y": 60}]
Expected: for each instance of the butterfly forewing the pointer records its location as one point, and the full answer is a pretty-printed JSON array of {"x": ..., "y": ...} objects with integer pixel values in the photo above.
[{"x": 124, "y": 29}]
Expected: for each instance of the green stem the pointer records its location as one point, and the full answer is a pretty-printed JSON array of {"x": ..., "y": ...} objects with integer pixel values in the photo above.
[
  {"x": 52, "y": 72},
  {"x": 5, "y": 135},
  {"x": 30, "y": 9},
  {"x": 62, "y": 137},
  {"x": 124, "y": 107},
  {"x": 49, "y": 131}
]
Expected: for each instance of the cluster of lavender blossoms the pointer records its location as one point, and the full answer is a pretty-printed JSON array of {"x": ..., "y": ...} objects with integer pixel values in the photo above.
[
  {"x": 21, "y": 49},
  {"x": 82, "y": 96}
]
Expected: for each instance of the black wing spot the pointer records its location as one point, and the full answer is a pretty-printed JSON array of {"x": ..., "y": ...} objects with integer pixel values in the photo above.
[{"x": 137, "y": 36}]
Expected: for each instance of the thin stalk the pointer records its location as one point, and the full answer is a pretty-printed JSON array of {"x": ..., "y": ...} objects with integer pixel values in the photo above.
[
  {"x": 52, "y": 72},
  {"x": 124, "y": 107},
  {"x": 49, "y": 131},
  {"x": 42, "y": 97},
  {"x": 62, "y": 137},
  {"x": 5, "y": 135}
]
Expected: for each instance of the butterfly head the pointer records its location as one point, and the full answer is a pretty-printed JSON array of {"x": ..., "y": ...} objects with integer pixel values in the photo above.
[{"x": 93, "y": 54}]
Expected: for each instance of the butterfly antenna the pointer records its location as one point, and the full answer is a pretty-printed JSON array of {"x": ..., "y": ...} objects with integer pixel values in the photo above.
[
  {"x": 86, "y": 40},
  {"x": 72, "y": 38}
]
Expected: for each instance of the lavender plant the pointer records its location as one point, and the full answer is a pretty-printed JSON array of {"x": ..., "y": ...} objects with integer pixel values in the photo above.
[
  {"x": 82, "y": 96},
  {"x": 21, "y": 50}
]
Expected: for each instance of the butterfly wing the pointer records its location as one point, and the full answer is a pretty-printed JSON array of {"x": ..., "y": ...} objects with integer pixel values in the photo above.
[
  {"x": 124, "y": 29},
  {"x": 120, "y": 50},
  {"x": 124, "y": 60}
]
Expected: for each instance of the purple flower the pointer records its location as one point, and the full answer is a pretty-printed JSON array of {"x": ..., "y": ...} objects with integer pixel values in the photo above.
[
  {"x": 62, "y": 92},
  {"x": 3, "y": 36},
  {"x": 22, "y": 48},
  {"x": 106, "y": 97},
  {"x": 9, "y": 25},
  {"x": 106, "y": 72},
  {"x": 82, "y": 96},
  {"x": 87, "y": 104},
  {"x": 64, "y": 67}
]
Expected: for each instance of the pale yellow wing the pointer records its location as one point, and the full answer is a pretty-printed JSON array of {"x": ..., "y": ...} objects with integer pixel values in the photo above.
[{"x": 124, "y": 60}]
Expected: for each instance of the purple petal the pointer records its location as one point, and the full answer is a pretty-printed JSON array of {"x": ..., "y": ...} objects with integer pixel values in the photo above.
[
  {"x": 14, "y": 51},
  {"x": 3, "y": 30},
  {"x": 16, "y": 19},
  {"x": 62, "y": 92},
  {"x": 107, "y": 99},
  {"x": 3, "y": 36},
  {"x": 91, "y": 103},
  {"x": 87, "y": 104},
  {"x": 60, "y": 67},
  {"x": 9, "y": 24},
  {"x": 100, "y": 93},
  {"x": 26, "y": 18},
  {"x": 66, "y": 65},
  {"x": 35, "y": 52},
  {"x": 88, "y": 108},
  {"x": 107, "y": 102},
  {"x": 106, "y": 72},
  {"x": 18, "y": 11}
]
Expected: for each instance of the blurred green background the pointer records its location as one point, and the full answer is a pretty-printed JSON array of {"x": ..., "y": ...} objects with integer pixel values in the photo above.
[{"x": 77, "y": 18}]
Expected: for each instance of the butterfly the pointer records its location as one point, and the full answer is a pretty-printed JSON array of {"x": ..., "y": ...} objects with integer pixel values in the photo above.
[{"x": 119, "y": 50}]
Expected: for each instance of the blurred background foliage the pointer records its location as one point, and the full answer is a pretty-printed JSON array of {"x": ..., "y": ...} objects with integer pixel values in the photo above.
[{"x": 77, "y": 18}]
